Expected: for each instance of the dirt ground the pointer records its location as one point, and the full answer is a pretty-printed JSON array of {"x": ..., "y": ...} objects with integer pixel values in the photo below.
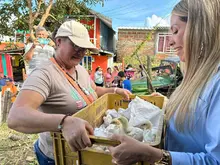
[{"x": 16, "y": 148}]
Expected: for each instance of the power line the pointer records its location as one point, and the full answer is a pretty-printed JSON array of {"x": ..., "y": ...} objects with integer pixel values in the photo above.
[
  {"x": 120, "y": 7},
  {"x": 128, "y": 19},
  {"x": 131, "y": 11}
]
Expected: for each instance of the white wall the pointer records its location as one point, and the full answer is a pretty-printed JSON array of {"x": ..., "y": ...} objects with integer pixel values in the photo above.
[
  {"x": 6, "y": 38},
  {"x": 110, "y": 62}
]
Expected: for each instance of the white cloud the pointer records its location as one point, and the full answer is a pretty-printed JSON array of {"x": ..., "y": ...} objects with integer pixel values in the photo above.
[{"x": 154, "y": 20}]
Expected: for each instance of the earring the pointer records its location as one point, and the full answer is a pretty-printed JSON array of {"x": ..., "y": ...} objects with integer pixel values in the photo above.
[{"x": 201, "y": 50}]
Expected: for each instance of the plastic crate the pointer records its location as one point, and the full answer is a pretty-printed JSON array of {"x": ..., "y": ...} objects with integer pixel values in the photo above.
[{"x": 94, "y": 114}]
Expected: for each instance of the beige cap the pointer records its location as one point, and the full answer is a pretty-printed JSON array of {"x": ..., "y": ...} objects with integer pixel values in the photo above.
[{"x": 77, "y": 33}]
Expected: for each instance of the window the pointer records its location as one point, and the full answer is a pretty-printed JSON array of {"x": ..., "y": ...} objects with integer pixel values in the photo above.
[
  {"x": 163, "y": 43},
  {"x": 87, "y": 62}
]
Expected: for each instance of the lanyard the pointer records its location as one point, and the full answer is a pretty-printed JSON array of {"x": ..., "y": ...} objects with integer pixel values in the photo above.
[{"x": 74, "y": 83}]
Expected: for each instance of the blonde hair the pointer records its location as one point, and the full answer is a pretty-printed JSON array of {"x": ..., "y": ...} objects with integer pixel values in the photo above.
[{"x": 202, "y": 57}]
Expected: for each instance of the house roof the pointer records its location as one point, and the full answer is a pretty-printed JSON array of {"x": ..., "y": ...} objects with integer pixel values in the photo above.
[
  {"x": 144, "y": 28},
  {"x": 7, "y": 47},
  {"x": 135, "y": 28},
  {"x": 11, "y": 45},
  {"x": 106, "y": 20}
]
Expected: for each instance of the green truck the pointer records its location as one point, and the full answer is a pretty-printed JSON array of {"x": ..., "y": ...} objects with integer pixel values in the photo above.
[{"x": 165, "y": 78}]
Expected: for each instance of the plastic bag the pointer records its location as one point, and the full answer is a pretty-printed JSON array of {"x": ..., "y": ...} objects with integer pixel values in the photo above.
[{"x": 143, "y": 111}]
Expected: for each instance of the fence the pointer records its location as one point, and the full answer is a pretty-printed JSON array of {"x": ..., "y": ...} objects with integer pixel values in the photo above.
[{"x": 5, "y": 106}]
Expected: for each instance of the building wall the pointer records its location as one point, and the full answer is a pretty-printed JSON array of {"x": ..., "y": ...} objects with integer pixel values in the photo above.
[
  {"x": 110, "y": 62},
  {"x": 5, "y": 65},
  {"x": 107, "y": 38},
  {"x": 6, "y": 38},
  {"x": 104, "y": 37},
  {"x": 129, "y": 39},
  {"x": 101, "y": 61},
  {"x": 98, "y": 33}
]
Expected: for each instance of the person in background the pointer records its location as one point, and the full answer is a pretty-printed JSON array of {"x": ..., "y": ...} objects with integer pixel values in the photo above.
[
  {"x": 56, "y": 90},
  {"x": 91, "y": 75},
  {"x": 108, "y": 78},
  {"x": 10, "y": 87},
  {"x": 129, "y": 71},
  {"x": 2, "y": 80},
  {"x": 38, "y": 51},
  {"x": 129, "y": 67},
  {"x": 115, "y": 72},
  {"x": 98, "y": 78},
  {"x": 116, "y": 82},
  {"x": 125, "y": 83},
  {"x": 192, "y": 112}
]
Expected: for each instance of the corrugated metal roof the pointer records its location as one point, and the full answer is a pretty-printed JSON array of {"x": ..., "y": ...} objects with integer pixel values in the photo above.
[
  {"x": 144, "y": 28},
  {"x": 136, "y": 28}
]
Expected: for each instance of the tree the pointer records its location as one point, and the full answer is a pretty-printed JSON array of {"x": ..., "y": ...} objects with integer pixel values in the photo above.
[
  {"x": 28, "y": 14},
  {"x": 138, "y": 58}
]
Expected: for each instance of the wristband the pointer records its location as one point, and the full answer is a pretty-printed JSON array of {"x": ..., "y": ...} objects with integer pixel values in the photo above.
[{"x": 60, "y": 126}]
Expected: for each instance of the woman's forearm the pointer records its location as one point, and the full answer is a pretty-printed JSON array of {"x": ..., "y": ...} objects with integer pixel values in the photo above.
[
  {"x": 151, "y": 154},
  {"x": 33, "y": 121},
  {"x": 101, "y": 91}
]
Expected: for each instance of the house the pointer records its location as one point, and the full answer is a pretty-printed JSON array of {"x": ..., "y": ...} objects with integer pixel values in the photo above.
[
  {"x": 103, "y": 36},
  {"x": 11, "y": 63},
  {"x": 157, "y": 43}
]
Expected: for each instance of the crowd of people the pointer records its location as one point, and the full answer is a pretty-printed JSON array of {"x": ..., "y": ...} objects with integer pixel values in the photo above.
[
  {"x": 59, "y": 87},
  {"x": 115, "y": 78},
  {"x": 55, "y": 90}
]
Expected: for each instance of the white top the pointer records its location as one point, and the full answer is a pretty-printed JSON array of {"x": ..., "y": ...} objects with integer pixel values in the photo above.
[
  {"x": 99, "y": 77},
  {"x": 40, "y": 55}
]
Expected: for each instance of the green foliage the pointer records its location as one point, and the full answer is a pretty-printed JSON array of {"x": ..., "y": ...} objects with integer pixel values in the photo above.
[{"x": 14, "y": 14}]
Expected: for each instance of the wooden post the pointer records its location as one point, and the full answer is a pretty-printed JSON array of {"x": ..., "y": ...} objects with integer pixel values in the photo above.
[{"x": 5, "y": 106}]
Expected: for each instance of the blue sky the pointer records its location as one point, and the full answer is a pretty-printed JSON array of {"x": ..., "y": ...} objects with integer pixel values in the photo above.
[{"x": 137, "y": 13}]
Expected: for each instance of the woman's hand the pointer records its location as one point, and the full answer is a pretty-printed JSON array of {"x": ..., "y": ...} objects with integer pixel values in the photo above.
[
  {"x": 75, "y": 132},
  {"x": 131, "y": 151},
  {"x": 124, "y": 93}
]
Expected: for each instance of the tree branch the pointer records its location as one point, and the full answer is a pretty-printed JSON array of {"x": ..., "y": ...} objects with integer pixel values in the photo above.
[
  {"x": 38, "y": 9},
  {"x": 46, "y": 14},
  {"x": 54, "y": 18},
  {"x": 30, "y": 22},
  {"x": 149, "y": 84},
  {"x": 30, "y": 10}
]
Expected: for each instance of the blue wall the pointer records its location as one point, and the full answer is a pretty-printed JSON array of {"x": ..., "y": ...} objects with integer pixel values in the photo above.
[{"x": 106, "y": 38}]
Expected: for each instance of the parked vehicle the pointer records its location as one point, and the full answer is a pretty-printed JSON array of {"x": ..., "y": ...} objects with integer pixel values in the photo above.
[{"x": 165, "y": 78}]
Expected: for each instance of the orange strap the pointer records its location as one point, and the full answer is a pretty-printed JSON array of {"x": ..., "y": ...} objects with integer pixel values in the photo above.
[{"x": 73, "y": 83}]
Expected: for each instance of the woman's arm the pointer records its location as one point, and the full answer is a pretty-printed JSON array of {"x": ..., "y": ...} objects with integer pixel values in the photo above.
[
  {"x": 101, "y": 91},
  {"x": 24, "y": 116},
  {"x": 131, "y": 151},
  {"x": 29, "y": 51}
]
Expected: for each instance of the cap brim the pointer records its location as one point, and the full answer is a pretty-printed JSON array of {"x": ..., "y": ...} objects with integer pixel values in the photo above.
[{"x": 84, "y": 44}]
